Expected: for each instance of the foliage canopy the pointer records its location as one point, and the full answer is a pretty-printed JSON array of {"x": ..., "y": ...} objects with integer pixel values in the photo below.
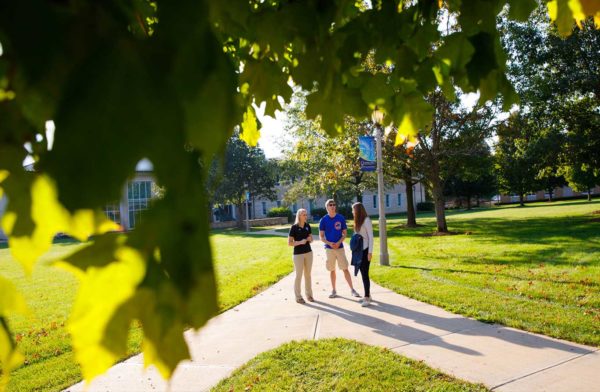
[{"x": 168, "y": 81}]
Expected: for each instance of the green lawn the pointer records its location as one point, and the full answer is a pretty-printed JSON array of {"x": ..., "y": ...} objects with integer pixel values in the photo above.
[
  {"x": 535, "y": 268},
  {"x": 244, "y": 266},
  {"x": 337, "y": 365}
]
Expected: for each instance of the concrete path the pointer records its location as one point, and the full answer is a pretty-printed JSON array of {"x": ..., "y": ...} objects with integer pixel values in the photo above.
[{"x": 504, "y": 359}]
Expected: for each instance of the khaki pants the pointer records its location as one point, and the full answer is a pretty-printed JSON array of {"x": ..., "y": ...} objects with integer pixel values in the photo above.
[{"x": 303, "y": 264}]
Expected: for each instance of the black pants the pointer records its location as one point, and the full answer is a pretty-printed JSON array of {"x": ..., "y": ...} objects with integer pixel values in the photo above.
[{"x": 364, "y": 272}]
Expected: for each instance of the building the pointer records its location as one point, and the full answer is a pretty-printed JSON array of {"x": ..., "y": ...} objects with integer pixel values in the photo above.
[{"x": 559, "y": 193}]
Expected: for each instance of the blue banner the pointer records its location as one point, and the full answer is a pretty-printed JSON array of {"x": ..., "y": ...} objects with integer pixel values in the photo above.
[{"x": 367, "y": 153}]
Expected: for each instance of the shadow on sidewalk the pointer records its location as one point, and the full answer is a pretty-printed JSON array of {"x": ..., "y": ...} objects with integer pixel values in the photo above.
[
  {"x": 395, "y": 331},
  {"x": 498, "y": 331},
  {"x": 406, "y": 335}
]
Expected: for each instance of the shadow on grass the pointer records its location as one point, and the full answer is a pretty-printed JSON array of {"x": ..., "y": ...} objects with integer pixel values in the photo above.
[{"x": 547, "y": 279}]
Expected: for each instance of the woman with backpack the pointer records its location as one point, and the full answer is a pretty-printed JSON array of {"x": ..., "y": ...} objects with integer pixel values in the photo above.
[{"x": 364, "y": 227}]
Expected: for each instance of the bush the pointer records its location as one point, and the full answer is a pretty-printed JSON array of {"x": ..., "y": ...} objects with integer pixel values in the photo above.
[
  {"x": 281, "y": 211},
  {"x": 425, "y": 206}
]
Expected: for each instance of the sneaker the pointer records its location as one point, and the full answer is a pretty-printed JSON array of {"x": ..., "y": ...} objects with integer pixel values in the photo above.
[
  {"x": 354, "y": 293},
  {"x": 366, "y": 302},
  {"x": 310, "y": 299},
  {"x": 333, "y": 294},
  {"x": 360, "y": 301},
  {"x": 300, "y": 300}
]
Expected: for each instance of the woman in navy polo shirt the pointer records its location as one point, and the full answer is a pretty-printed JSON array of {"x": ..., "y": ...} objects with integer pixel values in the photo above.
[{"x": 300, "y": 237}]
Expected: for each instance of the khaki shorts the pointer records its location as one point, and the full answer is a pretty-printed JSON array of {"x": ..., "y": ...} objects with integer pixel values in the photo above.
[{"x": 333, "y": 255}]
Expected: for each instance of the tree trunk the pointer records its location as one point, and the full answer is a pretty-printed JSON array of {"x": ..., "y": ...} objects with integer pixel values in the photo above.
[
  {"x": 521, "y": 202},
  {"x": 241, "y": 215},
  {"x": 468, "y": 202},
  {"x": 359, "y": 197},
  {"x": 550, "y": 195},
  {"x": 589, "y": 195},
  {"x": 440, "y": 212},
  {"x": 411, "y": 218},
  {"x": 477, "y": 201}
]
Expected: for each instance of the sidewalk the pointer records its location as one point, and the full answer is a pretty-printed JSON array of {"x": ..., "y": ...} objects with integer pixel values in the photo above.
[{"x": 504, "y": 359}]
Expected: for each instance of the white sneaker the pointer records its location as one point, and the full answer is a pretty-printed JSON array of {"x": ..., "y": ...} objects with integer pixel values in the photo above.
[
  {"x": 354, "y": 293},
  {"x": 366, "y": 302},
  {"x": 333, "y": 294}
]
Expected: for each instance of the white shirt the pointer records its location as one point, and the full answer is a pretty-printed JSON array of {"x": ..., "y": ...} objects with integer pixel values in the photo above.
[{"x": 366, "y": 230}]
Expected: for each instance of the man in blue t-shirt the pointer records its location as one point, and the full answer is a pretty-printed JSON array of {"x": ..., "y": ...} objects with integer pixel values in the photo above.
[{"x": 332, "y": 231}]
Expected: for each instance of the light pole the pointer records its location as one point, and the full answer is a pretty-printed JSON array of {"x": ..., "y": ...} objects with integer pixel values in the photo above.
[
  {"x": 384, "y": 258},
  {"x": 247, "y": 211}
]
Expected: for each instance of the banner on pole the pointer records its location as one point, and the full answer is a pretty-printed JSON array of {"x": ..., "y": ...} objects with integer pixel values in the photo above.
[{"x": 367, "y": 153}]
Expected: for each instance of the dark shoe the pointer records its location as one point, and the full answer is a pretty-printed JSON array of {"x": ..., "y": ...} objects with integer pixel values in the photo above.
[
  {"x": 310, "y": 299},
  {"x": 300, "y": 300}
]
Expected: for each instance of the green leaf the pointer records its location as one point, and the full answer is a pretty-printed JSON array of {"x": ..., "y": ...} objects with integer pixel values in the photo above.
[
  {"x": 456, "y": 51},
  {"x": 250, "y": 133},
  {"x": 484, "y": 59},
  {"x": 376, "y": 92},
  {"x": 521, "y": 9},
  {"x": 266, "y": 82}
]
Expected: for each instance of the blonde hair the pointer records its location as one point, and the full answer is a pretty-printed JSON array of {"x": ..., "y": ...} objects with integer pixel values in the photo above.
[{"x": 300, "y": 211}]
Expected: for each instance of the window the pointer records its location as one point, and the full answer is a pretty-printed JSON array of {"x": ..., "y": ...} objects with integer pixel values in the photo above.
[
  {"x": 375, "y": 201},
  {"x": 399, "y": 199},
  {"x": 264, "y": 207},
  {"x": 139, "y": 194},
  {"x": 113, "y": 212},
  {"x": 278, "y": 203},
  {"x": 294, "y": 208},
  {"x": 387, "y": 201}
]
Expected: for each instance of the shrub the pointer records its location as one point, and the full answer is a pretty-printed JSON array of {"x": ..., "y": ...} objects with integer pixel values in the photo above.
[
  {"x": 281, "y": 211},
  {"x": 425, "y": 206}
]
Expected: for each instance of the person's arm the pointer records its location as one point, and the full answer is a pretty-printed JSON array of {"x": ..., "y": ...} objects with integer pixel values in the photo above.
[
  {"x": 344, "y": 234},
  {"x": 291, "y": 242},
  {"x": 322, "y": 237},
  {"x": 369, "y": 228}
]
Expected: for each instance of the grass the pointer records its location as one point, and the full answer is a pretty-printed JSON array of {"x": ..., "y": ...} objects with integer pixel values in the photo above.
[
  {"x": 337, "y": 365},
  {"x": 535, "y": 268},
  {"x": 244, "y": 265}
]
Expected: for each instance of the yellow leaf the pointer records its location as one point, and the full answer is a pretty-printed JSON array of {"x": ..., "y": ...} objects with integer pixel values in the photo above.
[
  {"x": 250, "y": 132},
  {"x": 564, "y": 12},
  {"x": 11, "y": 301},
  {"x": 101, "y": 292},
  {"x": 50, "y": 218}
]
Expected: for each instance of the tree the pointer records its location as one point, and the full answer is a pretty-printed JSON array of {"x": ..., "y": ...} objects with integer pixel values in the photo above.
[
  {"x": 474, "y": 178},
  {"x": 399, "y": 165},
  {"x": 245, "y": 169},
  {"x": 169, "y": 80},
  {"x": 456, "y": 134},
  {"x": 322, "y": 165},
  {"x": 515, "y": 164},
  {"x": 581, "y": 154}
]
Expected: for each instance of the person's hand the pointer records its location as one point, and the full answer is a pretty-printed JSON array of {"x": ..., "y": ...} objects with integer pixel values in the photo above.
[
  {"x": 369, "y": 256},
  {"x": 335, "y": 245},
  {"x": 304, "y": 241}
]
